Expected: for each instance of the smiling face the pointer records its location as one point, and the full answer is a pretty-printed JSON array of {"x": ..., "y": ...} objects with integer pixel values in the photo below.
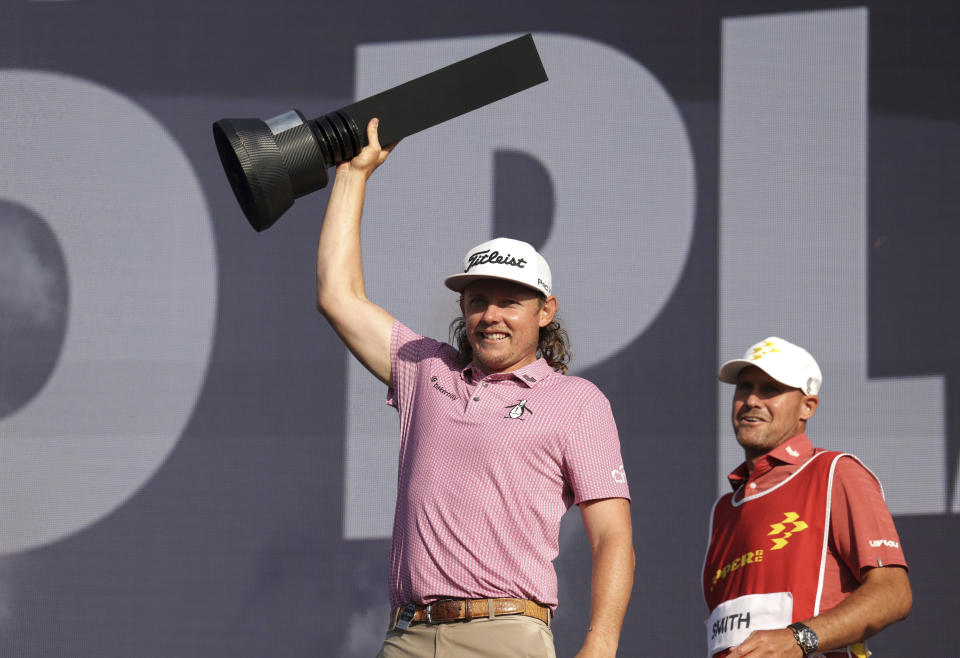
[
  {"x": 766, "y": 413},
  {"x": 503, "y": 321}
]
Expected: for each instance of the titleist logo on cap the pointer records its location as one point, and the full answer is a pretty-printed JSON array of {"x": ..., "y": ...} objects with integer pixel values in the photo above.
[
  {"x": 487, "y": 256},
  {"x": 505, "y": 259}
]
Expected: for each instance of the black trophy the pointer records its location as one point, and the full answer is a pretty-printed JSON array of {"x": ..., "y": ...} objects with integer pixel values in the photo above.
[{"x": 270, "y": 163}]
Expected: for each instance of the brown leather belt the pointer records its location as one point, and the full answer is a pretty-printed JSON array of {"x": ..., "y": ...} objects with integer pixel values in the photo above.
[{"x": 447, "y": 610}]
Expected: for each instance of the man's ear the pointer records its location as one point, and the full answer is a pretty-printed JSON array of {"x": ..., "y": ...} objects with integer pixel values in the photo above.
[
  {"x": 809, "y": 407},
  {"x": 548, "y": 311}
]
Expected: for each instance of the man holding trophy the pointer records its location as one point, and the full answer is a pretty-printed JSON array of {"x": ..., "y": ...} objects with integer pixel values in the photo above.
[{"x": 496, "y": 443}]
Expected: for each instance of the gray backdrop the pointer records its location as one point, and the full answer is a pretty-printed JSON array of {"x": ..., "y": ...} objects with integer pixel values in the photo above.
[{"x": 191, "y": 465}]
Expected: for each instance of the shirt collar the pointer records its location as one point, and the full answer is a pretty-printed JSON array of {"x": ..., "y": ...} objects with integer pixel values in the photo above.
[
  {"x": 530, "y": 375},
  {"x": 795, "y": 450}
]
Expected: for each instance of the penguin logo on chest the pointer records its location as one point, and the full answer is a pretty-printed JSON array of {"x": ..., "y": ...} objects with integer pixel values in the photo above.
[{"x": 517, "y": 410}]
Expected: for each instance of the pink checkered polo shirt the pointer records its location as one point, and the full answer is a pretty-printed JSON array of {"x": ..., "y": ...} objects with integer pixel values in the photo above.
[{"x": 488, "y": 465}]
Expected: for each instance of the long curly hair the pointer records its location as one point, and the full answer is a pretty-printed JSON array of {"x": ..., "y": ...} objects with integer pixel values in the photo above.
[{"x": 553, "y": 345}]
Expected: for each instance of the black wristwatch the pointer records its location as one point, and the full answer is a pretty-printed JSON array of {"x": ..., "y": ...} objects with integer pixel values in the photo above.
[{"x": 806, "y": 638}]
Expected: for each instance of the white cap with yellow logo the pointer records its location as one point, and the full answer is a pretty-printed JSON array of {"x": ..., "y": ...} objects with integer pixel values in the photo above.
[{"x": 787, "y": 363}]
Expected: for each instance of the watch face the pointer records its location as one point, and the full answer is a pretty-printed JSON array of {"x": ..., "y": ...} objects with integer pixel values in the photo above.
[{"x": 807, "y": 640}]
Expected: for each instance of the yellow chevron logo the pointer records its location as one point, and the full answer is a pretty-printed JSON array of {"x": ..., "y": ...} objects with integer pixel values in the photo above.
[
  {"x": 766, "y": 348},
  {"x": 791, "y": 519}
]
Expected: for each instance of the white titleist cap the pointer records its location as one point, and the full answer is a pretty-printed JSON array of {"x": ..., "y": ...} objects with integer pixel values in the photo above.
[
  {"x": 787, "y": 363},
  {"x": 507, "y": 259}
]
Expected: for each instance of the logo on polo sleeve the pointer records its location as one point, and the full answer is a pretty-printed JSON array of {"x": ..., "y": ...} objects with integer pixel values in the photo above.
[{"x": 619, "y": 475}]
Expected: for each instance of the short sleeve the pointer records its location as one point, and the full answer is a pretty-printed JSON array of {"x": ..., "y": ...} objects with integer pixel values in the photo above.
[
  {"x": 592, "y": 459},
  {"x": 862, "y": 528},
  {"x": 405, "y": 347}
]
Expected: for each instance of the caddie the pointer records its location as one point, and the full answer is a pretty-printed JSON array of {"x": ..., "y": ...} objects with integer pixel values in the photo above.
[{"x": 804, "y": 558}]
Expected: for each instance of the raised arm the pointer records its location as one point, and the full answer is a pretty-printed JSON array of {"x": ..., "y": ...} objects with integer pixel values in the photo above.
[
  {"x": 608, "y": 526},
  {"x": 363, "y": 326}
]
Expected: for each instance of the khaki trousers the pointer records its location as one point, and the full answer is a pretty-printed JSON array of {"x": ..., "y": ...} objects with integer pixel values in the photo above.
[{"x": 503, "y": 637}]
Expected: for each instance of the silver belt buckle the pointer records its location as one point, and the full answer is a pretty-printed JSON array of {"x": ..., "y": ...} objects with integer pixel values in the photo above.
[{"x": 429, "y": 617}]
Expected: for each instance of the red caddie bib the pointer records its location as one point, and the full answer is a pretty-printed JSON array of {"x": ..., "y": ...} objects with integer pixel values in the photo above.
[{"x": 764, "y": 566}]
